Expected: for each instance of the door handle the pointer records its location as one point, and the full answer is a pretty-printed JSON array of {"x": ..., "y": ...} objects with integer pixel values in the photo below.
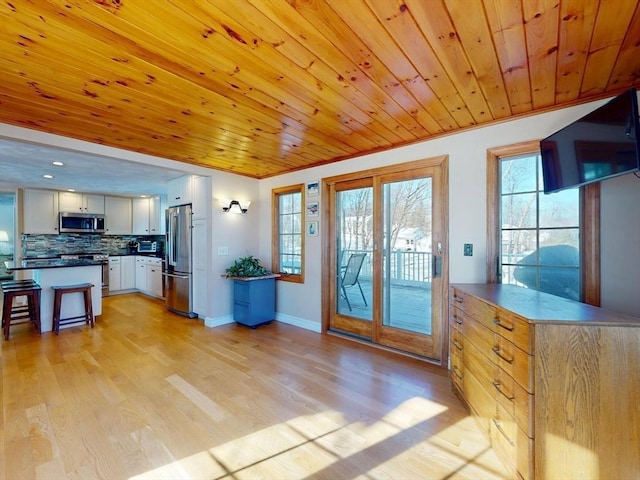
[{"x": 437, "y": 266}]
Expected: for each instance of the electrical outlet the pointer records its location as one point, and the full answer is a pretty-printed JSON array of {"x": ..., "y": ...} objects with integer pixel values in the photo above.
[{"x": 468, "y": 249}]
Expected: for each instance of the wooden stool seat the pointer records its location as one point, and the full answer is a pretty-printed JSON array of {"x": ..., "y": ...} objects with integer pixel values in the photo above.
[
  {"x": 59, "y": 291},
  {"x": 14, "y": 315}
]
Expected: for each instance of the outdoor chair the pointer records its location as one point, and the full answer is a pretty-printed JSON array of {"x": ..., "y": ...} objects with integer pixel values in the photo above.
[{"x": 350, "y": 274}]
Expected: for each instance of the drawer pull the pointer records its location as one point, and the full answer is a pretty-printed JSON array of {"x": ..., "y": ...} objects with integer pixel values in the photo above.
[
  {"x": 457, "y": 299},
  {"x": 504, "y": 434},
  {"x": 497, "y": 351},
  {"x": 497, "y": 322},
  {"x": 459, "y": 375},
  {"x": 497, "y": 386},
  {"x": 457, "y": 319},
  {"x": 457, "y": 345}
]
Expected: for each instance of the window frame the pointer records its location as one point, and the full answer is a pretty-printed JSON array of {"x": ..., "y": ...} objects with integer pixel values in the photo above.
[
  {"x": 276, "y": 193},
  {"x": 589, "y": 222}
]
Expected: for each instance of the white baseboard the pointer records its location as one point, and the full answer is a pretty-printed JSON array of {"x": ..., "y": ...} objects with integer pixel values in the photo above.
[
  {"x": 218, "y": 321},
  {"x": 280, "y": 317},
  {"x": 298, "y": 322}
]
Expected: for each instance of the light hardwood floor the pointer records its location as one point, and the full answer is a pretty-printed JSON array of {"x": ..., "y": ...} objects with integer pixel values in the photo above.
[{"x": 151, "y": 395}]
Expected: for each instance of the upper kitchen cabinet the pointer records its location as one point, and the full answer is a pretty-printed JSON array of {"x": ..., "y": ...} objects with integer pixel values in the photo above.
[
  {"x": 140, "y": 216},
  {"x": 157, "y": 207},
  {"x": 40, "y": 212},
  {"x": 180, "y": 191},
  {"x": 201, "y": 189},
  {"x": 70, "y": 202},
  {"x": 148, "y": 215},
  {"x": 117, "y": 212}
]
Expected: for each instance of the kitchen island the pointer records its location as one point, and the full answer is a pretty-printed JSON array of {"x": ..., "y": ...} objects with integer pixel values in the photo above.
[{"x": 55, "y": 271}]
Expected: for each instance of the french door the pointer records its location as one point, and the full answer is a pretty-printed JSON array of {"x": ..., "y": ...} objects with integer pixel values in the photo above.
[{"x": 387, "y": 256}]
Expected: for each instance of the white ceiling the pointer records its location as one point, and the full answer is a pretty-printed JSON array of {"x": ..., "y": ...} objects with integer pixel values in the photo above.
[{"x": 24, "y": 164}]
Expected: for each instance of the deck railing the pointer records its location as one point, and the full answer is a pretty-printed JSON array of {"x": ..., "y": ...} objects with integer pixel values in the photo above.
[{"x": 405, "y": 267}]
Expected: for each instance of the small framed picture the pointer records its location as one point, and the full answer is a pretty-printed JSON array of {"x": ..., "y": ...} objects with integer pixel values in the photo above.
[
  {"x": 313, "y": 188},
  {"x": 312, "y": 229},
  {"x": 313, "y": 209}
]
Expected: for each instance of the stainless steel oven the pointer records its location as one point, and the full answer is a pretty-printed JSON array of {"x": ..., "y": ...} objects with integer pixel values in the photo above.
[{"x": 103, "y": 259}]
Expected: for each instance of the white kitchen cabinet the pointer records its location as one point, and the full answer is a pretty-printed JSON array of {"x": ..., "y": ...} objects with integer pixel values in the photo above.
[
  {"x": 140, "y": 216},
  {"x": 201, "y": 198},
  {"x": 148, "y": 215},
  {"x": 40, "y": 211},
  {"x": 122, "y": 273},
  {"x": 117, "y": 215},
  {"x": 200, "y": 261},
  {"x": 154, "y": 276},
  {"x": 72, "y": 202},
  {"x": 157, "y": 207},
  {"x": 115, "y": 282},
  {"x": 180, "y": 191},
  {"x": 141, "y": 273},
  {"x": 128, "y": 272}
]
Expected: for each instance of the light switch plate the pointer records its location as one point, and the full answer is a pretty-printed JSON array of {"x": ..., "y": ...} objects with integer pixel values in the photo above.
[
  {"x": 223, "y": 251},
  {"x": 468, "y": 249}
]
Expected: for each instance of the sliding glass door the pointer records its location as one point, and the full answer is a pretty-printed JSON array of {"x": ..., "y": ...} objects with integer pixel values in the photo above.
[{"x": 388, "y": 258}]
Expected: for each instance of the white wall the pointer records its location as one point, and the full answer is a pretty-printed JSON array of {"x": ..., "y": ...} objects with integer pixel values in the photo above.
[
  {"x": 620, "y": 244},
  {"x": 467, "y": 200}
]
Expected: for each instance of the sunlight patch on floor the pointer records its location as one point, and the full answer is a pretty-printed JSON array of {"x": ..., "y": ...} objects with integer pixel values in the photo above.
[{"x": 301, "y": 446}]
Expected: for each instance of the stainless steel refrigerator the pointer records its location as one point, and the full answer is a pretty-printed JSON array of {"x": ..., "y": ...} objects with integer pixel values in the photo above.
[{"x": 178, "y": 264}]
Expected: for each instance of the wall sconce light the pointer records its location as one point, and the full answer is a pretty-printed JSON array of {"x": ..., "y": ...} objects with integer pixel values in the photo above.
[{"x": 234, "y": 206}]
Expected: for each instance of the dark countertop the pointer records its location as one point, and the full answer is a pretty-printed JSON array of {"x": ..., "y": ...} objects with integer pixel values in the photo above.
[{"x": 39, "y": 263}]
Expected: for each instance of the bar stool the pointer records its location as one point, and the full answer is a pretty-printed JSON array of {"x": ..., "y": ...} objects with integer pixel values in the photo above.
[
  {"x": 59, "y": 291},
  {"x": 14, "y": 315}
]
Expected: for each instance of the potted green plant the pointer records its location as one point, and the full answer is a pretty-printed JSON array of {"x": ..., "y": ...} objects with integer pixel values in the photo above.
[
  {"x": 253, "y": 292},
  {"x": 247, "y": 267}
]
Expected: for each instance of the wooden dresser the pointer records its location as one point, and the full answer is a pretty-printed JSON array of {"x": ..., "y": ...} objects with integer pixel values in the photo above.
[{"x": 554, "y": 383}]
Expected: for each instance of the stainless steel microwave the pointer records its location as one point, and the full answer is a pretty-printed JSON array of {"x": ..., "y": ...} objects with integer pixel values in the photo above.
[{"x": 81, "y": 223}]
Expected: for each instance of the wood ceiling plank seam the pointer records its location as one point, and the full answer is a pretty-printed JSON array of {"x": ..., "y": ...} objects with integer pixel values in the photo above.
[
  {"x": 351, "y": 47},
  {"x": 305, "y": 59},
  {"x": 368, "y": 95},
  {"x": 307, "y": 94},
  {"x": 358, "y": 18},
  {"x": 626, "y": 72},
  {"x": 360, "y": 145},
  {"x": 577, "y": 19},
  {"x": 507, "y": 29},
  {"x": 472, "y": 28},
  {"x": 240, "y": 124},
  {"x": 612, "y": 24},
  {"x": 347, "y": 66},
  {"x": 62, "y": 92},
  {"x": 195, "y": 156},
  {"x": 436, "y": 25},
  {"x": 449, "y": 110},
  {"x": 541, "y": 18},
  {"x": 257, "y": 112}
]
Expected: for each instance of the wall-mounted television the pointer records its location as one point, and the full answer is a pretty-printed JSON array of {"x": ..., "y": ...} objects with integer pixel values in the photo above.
[{"x": 603, "y": 144}]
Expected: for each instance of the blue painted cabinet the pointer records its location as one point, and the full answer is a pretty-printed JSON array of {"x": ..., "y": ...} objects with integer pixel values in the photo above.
[{"x": 254, "y": 301}]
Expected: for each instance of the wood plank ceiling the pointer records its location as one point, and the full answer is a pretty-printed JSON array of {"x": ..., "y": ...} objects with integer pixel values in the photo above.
[{"x": 263, "y": 87}]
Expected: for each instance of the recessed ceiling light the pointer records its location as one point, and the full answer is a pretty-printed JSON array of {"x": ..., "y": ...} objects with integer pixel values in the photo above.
[
  {"x": 47, "y": 176},
  {"x": 143, "y": 196},
  {"x": 58, "y": 164},
  {"x": 71, "y": 189}
]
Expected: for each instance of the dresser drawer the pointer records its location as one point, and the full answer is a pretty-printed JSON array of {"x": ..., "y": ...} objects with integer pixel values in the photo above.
[
  {"x": 478, "y": 334},
  {"x": 512, "y": 445},
  {"x": 479, "y": 399},
  {"x": 503, "y": 322},
  {"x": 514, "y": 362},
  {"x": 515, "y": 400},
  {"x": 514, "y": 328},
  {"x": 477, "y": 309}
]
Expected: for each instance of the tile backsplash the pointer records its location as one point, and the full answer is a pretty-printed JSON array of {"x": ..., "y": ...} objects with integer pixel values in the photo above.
[{"x": 70, "y": 243}]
